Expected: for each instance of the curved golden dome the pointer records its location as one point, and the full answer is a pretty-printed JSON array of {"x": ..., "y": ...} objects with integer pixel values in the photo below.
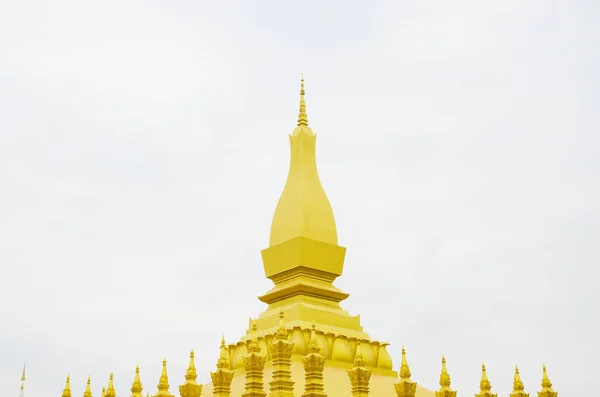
[{"x": 303, "y": 209}]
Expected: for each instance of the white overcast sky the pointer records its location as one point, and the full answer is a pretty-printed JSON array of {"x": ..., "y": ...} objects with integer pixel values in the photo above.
[{"x": 143, "y": 148}]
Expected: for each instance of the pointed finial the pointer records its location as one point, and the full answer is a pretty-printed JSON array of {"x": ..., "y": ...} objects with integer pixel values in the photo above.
[
  {"x": 517, "y": 382},
  {"x": 190, "y": 374},
  {"x": 254, "y": 347},
  {"x": 281, "y": 332},
  {"x": 103, "y": 394},
  {"x": 88, "y": 388},
  {"x": 358, "y": 358},
  {"x": 545, "y": 380},
  {"x": 484, "y": 385},
  {"x": 547, "y": 390},
  {"x": 404, "y": 368},
  {"x": 67, "y": 390},
  {"x": 314, "y": 344},
  {"x": 302, "y": 117},
  {"x": 23, "y": 380},
  {"x": 136, "y": 387},
  {"x": 163, "y": 383},
  {"x": 110, "y": 390},
  {"x": 223, "y": 362},
  {"x": 444, "y": 376}
]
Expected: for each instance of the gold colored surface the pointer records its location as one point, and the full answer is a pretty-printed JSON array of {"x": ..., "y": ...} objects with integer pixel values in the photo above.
[
  {"x": 546, "y": 385},
  {"x": 485, "y": 387},
  {"x": 163, "y": 383},
  {"x": 405, "y": 387},
  {"x": 518, "y": 388},
  {"x": 303, "y": 209},
  {"x": 314, "y": 362},
  {"x": 110, "y": 390},
  {"x": 335, "y": 380},
  {"x": 88, "y": 390},
  {"x": 359, "y": 376},
  {"x": 190, "y": 388},
  {"x": 445, "y": 390},
  {"x": 254, "y": 363},
  {"x": 222, "y": 377},
  {"x": 303, "y": 260},
  {"x": 67, "y": 390},
  {"x": 136, "y": 387}
]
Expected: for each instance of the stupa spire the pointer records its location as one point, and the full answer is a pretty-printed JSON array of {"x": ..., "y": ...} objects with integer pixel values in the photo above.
[
  {"x": 304, "y": 258},
  {"x": 518, "y": 388},
  {"x": 103, "y": 393},
  {"x": 223, "y": 376},
  {"x": 314, "y": 362},
  {"x": 136, "y": 387},
  {"x": 254, "y": 364},
  {"x": 163, "y": 383},
  {"x": 110, "y": 390},
  {"x": 281, "y": 352},
  {"x": 547, "y": 390},
  {"x": 405, "y": 387},
  {"x": 445, "y": 390},
  {"x": 67, "y": 390},
  {"x": 190, "y": 388},
  {"x": 302, "y": 116},
  {"x": 360, "y": 375},
  {"x": 22, "y": 392},
  {"x": 88, "y": 388},
  {"x": 485, "y": 387}
]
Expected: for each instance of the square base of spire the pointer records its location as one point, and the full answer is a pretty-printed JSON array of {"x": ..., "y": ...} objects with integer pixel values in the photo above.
[{"x": 326, "y": 259}]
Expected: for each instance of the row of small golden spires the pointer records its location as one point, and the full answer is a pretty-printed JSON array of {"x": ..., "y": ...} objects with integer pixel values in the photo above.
[{"x": 223, "y": 364}]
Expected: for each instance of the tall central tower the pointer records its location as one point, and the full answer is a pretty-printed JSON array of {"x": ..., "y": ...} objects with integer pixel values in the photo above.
[{"x": 303, "y": 260}]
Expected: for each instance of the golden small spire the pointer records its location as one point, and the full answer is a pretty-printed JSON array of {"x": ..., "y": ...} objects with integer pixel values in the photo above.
[
  {"x": 223, "y": 362},
  {"x": 163, "y": 383},
  {"x": 110, "y": 390},
  {"x": 254, "y": 347},
  {"x": 445, "y": 390},
  {"x": 404, "y": 368},
  {"x": 444, "y": 377},
  {"x": 222, "y": 377},
  {"x": 485, "y": 387},
  {"x": 136, "y": 387},
  {"x": 360, "y": 376},
  {"x": 314, "y": 362},
  {"x": 302, "y": 116},
  {"x": 359, "y": 361},
  {"x": 67, "y": 390},
  {"x": 314, "y": 347},
  {"x": 281, "y": 332},
  {"x": 518, "y": 388},
  {"x": 281, "y": 353},
  {"x": 88, "y": 388},
  {"x": 22, "y": 394},
  {"x": 405, "y": 388},
  {"x": 190, "y": 374},
  {"x": 546, "y": 385},
  {"x": 103, "y": 393},
  {"x": 254, "y": 365},
  {"x": 190, "y": 388}
]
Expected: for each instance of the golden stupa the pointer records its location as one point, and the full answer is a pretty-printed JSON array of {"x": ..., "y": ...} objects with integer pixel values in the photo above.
[
  {"x": 304, "y": 343},
  {"x": 303, "y": 260}
]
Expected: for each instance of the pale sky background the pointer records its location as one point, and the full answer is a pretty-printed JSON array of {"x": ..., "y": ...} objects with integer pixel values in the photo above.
[{"x": 144, "y": 147}]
